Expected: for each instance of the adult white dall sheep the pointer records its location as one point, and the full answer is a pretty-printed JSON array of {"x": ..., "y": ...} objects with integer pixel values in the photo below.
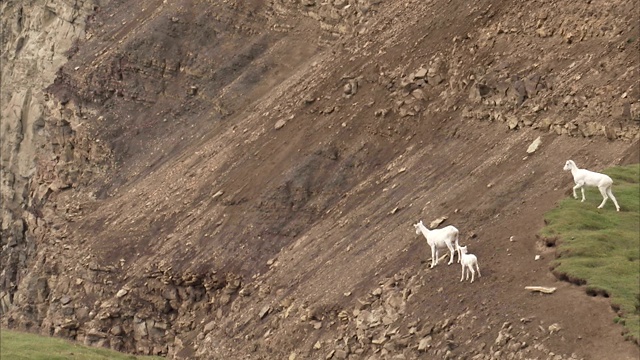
[
  {"x": 468, "y": 261},
  {"x": 447, "y": 237},
  {"x": 583, "y": 177}
]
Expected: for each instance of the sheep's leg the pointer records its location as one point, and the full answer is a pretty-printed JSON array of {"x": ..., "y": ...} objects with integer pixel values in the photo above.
[
  {"x": 462, "y": 277},
  {"x": 578, "y": 186},
  {"x": 452, "y": 251},
  {"x": 610, "y": 193},
  {"x": 434, "y": 257},
  {"x": 473, "y": 273},
  {"x": 478, "y": 268},
  {"x": 583, "y": 198},
  {"x": 603, "y": 191}
]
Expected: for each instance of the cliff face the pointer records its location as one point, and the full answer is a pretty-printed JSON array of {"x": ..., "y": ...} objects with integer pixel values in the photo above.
[
  {"x": 36, "y": 41},
  {"x": 226, "y": 179}
]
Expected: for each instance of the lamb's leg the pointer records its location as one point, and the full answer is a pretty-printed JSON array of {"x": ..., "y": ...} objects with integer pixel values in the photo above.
[
  {"x": 575, "y": 196},
  {"x": 603, "y": 191},
  {"x": 473, "y": 273},
  {"x": 478, "y": 268},
  {"x": 583, "y": 198},
  {"x": 462, "y": 277},
  {"x": 610, "y": 193}
]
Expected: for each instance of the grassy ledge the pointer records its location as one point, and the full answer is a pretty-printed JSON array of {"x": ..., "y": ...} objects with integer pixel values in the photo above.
[
  {"x": 24, "y": 346},
  {"x": 600, "y": 248}
]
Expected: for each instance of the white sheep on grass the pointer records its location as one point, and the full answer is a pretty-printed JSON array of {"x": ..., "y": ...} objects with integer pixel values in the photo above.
[
  {"x": 583, "y": 177},
  {"x": 468, "y": 261},
  {"x": 447, "y": 237}
]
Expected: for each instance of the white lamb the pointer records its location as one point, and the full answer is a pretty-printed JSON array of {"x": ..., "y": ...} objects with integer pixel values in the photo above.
[
  {"x": 468, "y": 261},
  {"x": 584, "y": 177},
  {"x": 447, "y": 237}
]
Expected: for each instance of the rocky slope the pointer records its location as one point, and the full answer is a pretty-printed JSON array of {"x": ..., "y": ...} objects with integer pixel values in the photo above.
[{"x": 240, "y": 179}]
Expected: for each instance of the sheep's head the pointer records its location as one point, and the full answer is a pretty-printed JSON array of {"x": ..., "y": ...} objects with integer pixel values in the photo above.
[
  {"x": 463, "y": 249},
  {"x": 417, "y": 226},
  {"x": 568, "y": 165}
]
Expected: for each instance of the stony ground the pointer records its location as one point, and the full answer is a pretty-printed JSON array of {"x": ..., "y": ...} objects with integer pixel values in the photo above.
[{"x": 241, "y": 179}]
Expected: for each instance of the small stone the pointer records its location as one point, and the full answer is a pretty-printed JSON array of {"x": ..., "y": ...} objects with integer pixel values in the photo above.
[
  {"x": 435, "y": 223},
  {"x": 121, "y": 293},
  {"x": 210, "y": 326},
  {"x": 424, "y": 344},
  {"x": 244, "y": 292},
  {"x": 420, "y": 73},
  {"x": 218, "y": 194},
  {"x": 418, "y": 94},
  {"x": 279, "y": 124},
  {"x": 610, "y": 132},
  {"x": 340, "y": 354},
  {"x": 534, "y": 145},
  {"x": 553, "y": 328},
  {"x": 537, "y": 257},
  {"x": 264, "y": 311},
  {"x": 116, "y": 330}
]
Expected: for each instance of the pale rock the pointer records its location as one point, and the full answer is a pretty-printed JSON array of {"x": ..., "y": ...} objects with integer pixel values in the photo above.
[
  {"x": 553, "y": 328},
  {"x": 534, "y": 145},
  {"x": 279, "y": 124},
  {"x": 420, "y": 73},
  {"x": 424, "y": 344},
  {"x": 435, "y": 223},
  {"x": 264, "y": 311}
]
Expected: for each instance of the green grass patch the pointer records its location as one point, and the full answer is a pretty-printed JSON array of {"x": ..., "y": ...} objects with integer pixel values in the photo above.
[
  {"x": 15, "y": 345},
  {"x": 601, "y": 247}
]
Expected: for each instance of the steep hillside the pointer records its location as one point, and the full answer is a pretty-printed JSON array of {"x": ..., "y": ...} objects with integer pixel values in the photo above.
[{"x": 241, "y": 179}]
